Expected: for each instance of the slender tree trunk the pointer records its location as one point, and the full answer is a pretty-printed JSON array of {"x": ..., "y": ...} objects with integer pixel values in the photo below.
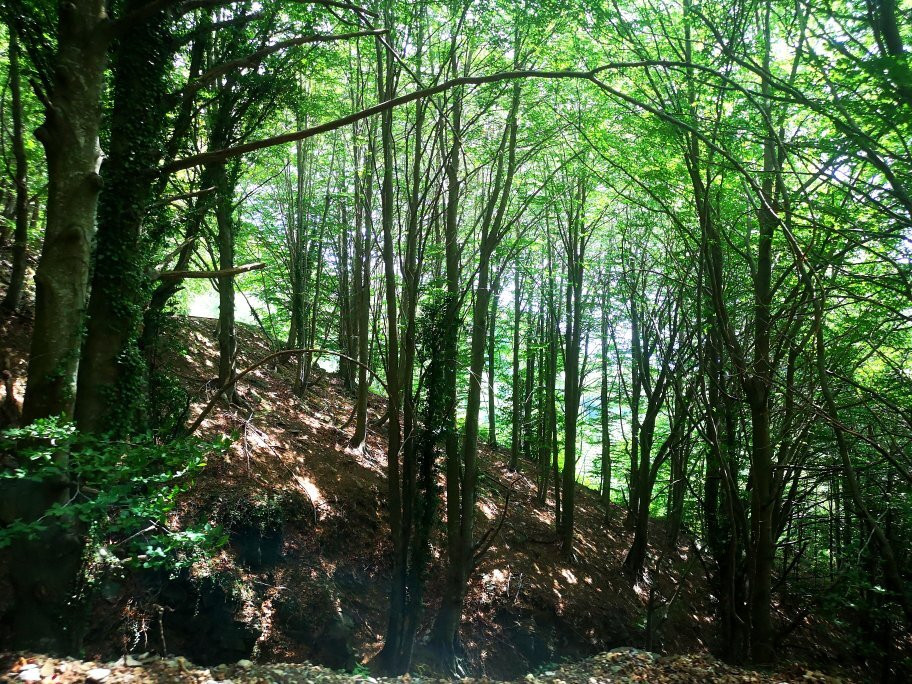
[
  {"x": 636, "y": 390},
  {"x": 529, "y": 390},
  {"x": 492, "y": 358},
  {"x": 227, "y": 341},
  {"x": 398, "y": 599},
  {"x": 516, "y": 399},
  {"x": 543, "y": 442},
  {"x": 758, "y": 394},
  {"x": 604, "y": 408},
  {"x": 460, "y": 537},
  {"x": 345, "y": 338},
  {"x": 20, "y": 233},
  {"x": 575, "y": 247},
  {"x": 363, "y": 239}
]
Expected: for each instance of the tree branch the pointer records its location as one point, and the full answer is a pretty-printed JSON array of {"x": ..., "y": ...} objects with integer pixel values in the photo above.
[
  {"x": 173, "y": 275},
  {"x": 219, "y": 156},
  {"x": 256, "y": 57},
  {"x": 266, "y": 359}
]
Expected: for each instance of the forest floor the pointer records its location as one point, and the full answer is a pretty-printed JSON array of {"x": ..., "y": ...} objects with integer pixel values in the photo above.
[
  {"x": 304, "y": 576},
  {"x": 621, "y": 666}
]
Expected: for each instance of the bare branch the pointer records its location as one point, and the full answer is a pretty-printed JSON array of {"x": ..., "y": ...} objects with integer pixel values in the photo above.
[
  {"x": 255, "y": 58},
  {"x": 173, "y": 275}
]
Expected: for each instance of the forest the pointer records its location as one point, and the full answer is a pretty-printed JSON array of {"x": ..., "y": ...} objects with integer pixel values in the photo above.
[{"x": 619, "y": 288}]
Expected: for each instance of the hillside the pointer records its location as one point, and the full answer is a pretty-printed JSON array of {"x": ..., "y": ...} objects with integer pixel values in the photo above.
[
  {"x": 321, "y": 551},
  {"x": 305, "y": 573}
]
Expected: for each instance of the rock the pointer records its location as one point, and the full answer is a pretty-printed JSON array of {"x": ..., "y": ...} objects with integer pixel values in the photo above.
[
  {"x": 244, "y": 664},
  {"x": 219, "y": 672},
  {"x": 97, "y": 674},
  {"x": 29, "y": 673},
  {"x": 48, "y": 669},
  {"x": 128, "y": 661}
]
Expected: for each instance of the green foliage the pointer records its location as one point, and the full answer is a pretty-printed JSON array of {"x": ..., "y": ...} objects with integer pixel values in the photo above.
[
  {"x": 264, "y": 511},
  {"x": 168, "y": 401},
  {"x": 361, "y": 670},
  {"x": 124, "y": 493}
]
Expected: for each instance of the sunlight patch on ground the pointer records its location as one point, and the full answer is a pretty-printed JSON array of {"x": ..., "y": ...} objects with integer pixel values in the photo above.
[
  {"x": 313, "y": 494},
  {"x": 488, "y": 511},
  {"x": 496, "y": 582}
]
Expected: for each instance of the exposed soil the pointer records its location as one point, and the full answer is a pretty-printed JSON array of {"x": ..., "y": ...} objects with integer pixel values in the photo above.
[
  {"x": 329, "y": 553},
  {"x": 305, "y": 574}
]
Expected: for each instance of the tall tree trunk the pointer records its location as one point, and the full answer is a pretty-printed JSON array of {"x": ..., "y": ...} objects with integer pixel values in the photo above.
[
  {"x": 492, "y": 358},
  {"x": 42, "y": 615},
  {"x": 460, "y": 537},
  {"x": 20, "y": 233},
  {"x": 543, "y": 442},
  {"x": 346, "y": 340},
  {"x": 112, "y": 391},
  {"x": 363, "y": 240},
  {"x": 398, "y": 599},
  {"x": 575, "y": 243},
  {"x": 227, "y": 340},
  {"x": 604, "y": 409},
  {"x": 446, "y": 622},
  {"x": 528, "y": 428},
  {"x": 758, "y": 391},
  {"x": 636, "y": 390},
  {"x": 70, "y": 138},
  {"x": 517, "y": 398}
]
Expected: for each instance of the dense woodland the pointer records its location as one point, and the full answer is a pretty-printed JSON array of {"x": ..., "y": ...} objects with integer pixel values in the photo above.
[{"x": 656, "y": 248}]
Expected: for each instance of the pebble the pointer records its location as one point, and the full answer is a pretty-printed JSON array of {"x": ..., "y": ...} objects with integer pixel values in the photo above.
[
  {"x": 97, "y": 674},
  {"x": 30, "y": 673}
]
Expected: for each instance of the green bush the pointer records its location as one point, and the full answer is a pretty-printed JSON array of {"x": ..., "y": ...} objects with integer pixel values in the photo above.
[{"x": 122, "y": 494}]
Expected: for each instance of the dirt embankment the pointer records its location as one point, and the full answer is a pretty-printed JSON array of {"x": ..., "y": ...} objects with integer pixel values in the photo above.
[{"x": 305, "y": 573}]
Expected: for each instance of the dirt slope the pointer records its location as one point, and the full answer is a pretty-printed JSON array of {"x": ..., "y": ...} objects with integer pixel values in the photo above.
[
  {"x": 305, "y": 574},
  {"x": 326, "y": 549}
]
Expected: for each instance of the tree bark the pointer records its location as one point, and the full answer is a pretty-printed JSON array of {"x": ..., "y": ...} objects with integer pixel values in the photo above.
[
  {"x": 604, "y": 409},
  {"x": 227, "y": 339},
  {"x": 70, "y": 138},
  {"x": 20, "y": 233},
  {"x": 575, "y": 245},
  {"x": 492, "y": 359},
  {"x": 517, "y": 398},
  {"x": 112, "y": 390}
]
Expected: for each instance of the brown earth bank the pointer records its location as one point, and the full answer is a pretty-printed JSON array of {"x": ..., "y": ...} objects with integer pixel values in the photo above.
[{"x": 305, "y": 573}]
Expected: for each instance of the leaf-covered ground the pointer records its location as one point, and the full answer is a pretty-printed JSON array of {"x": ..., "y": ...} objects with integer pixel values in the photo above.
[
  {"x": 321, "y": 594},
  {"x": 620, "y": 665}
]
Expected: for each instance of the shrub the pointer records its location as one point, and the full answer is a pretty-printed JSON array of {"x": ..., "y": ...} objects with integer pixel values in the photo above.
[{"x": 122, "y": 493}]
